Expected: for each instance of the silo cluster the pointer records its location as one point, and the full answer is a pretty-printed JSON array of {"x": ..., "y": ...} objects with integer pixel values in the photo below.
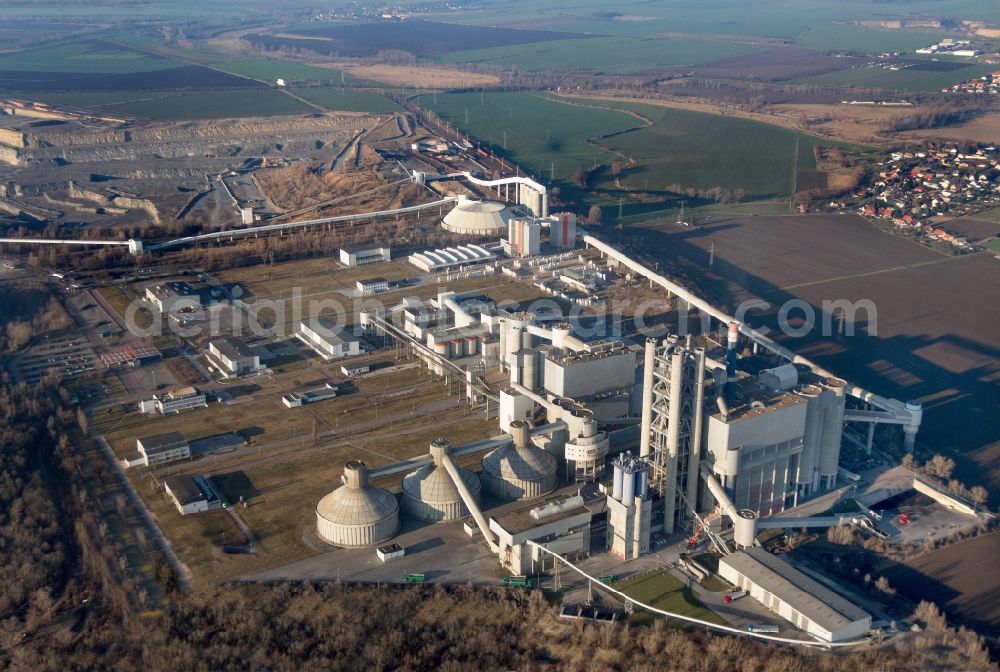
[
  {"x": 820, "y": 457},
  {"x": 357, "y": 514},
  {"x": 630, "y": 479}
]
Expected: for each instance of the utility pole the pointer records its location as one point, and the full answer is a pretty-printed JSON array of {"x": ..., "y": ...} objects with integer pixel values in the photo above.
[{"x": 711, "y": 255}]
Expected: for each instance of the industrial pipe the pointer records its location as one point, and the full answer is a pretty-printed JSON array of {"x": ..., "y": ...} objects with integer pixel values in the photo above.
[{"x": 470, "y": 502}]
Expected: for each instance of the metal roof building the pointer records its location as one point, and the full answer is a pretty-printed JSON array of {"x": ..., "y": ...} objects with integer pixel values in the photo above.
[
  {"x": 432, "y": 261},
  {"x": 794, "y": 596}
]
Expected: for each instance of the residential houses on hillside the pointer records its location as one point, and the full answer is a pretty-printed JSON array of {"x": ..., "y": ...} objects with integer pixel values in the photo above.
[{"x": 913, "y": 189}]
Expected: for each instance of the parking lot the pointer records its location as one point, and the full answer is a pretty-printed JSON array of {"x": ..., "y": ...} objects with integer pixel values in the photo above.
[{"x": 68, "y": 353}]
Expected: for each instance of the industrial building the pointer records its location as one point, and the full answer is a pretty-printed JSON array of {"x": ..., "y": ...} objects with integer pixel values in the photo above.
[
  {"x": 173, "y": 296},
  {"x": 560, "y": 525},
  {"x": 521, "y": 470},
  {"x": 232, "y": 357},
  {"x": 192, "y": 494},
  {"x": 367, "y": 253},
  {"x": 174, "y": 401},
  {"x": 440, "y": 260},
  {"x": 158, "y": 449},
  {"x": 477, "y": 218},
  {"x": 797, "y": 598},
  {"x": 131, "y": 356},
  {"x": 524, "y": 238},
  {"x": 327, "y": 339},
  {"x": 370, "y": 286},
  {"x": 294, "y": 400},
  {"x": 629, "y": 508},
  {"x": 357, "y": 513}
]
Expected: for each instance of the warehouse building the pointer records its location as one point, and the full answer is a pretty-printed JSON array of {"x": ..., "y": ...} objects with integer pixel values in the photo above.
[
  {"x": 131, "y": 357},
  {"x": 368, "y": 253},
  {"x": 440, "y": 260},
  {"x": 327, "y": 339},
  {"x": 192, "y": 494},
  {"x": 794, "y": 596},
  {"x": 232, "y": 357}
]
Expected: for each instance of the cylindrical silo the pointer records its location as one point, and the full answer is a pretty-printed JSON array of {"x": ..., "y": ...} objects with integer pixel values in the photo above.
[
  {"x": 529, "y": 376},
  {"x": 616, "y": 484},
  {"x": 429, "y": 493},
  {"x": 628, "y": 484},
  {"x": 833, "y": 427},
  {"x": 357, "y": 514},
  {"x": 745, "y": 528},
  {"x": 808, "y": 471},
  {"x": 521, "y": 470}
]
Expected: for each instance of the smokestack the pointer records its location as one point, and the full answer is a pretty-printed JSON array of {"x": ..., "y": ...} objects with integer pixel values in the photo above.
[{"x": 734, "y": 335}]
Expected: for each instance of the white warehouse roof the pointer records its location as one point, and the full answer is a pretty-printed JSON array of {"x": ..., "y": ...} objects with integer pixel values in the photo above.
[{"x": 450, "y": 257}]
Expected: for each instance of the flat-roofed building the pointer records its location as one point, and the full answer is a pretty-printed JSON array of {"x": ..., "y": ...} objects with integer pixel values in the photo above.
[
  {"x": 131, "y": 356},
  {"x": 372, "y": 286},
  {"x": 174, "y": 401},
  {"x": 353, "y": 370},
  {"x": 192, "y": 494},
  {"x": 327, "y": 339},
  {"x": 794, "y": 596},
  {"x": 162, "y": 448},
  {"x": 560, "y": 525},
  {"x": 173, "y": 295},
  {"x": 232, "y": 357},
  {"x": 366, "y": 253}
]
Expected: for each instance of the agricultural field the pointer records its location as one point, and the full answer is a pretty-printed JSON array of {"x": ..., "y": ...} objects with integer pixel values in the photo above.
[
  {"x": 555, "y": 136},
  {"x": 270, "y": 70},
  {"x": 913, "y": 75},
  {"x": 858, "y": 40},
  {"x": 776, "y": 64},
  {"x": 347, "y": 99},
  {"x": 418, "y": 37},
  {"x": 617, "y": 55},
  {"x": 211, "y": 105}
]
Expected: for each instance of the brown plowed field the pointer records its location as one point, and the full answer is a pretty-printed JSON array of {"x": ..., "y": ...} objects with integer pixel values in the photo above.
[
  {"x": 937, "y": 317},
  {"x": 960, "y": 578}
]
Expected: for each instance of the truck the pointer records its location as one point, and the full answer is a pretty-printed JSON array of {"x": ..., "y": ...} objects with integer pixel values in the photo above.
[
  {"x": 414, "y": 578},
  {"x": 609, "y": 579},
  {"x": 732, "y": 597},
  {"x": 517, "y": 581},
  {"x": 758, "y": 628}
]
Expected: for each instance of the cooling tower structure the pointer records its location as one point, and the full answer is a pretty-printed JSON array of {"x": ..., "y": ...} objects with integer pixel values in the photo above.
[
  {"x": 519, "y": 471},
  {"x": 429, "y": 494},
  {"x": 357, "y": 514}
]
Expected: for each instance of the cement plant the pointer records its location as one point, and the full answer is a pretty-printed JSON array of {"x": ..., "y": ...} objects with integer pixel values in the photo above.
[{"x": 420, "y": 352}]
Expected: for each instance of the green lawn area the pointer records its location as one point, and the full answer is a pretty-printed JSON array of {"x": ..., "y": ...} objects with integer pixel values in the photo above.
[
  {"x": 607, "y": 54},
  {"x": 210, "y": 105},
  {"x": 993, "y": 244},
  {"x": 348, "y": 100},
  {"x": 664, "y": 591}
]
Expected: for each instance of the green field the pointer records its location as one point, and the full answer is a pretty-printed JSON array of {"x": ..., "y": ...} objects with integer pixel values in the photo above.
[
  {"x": 993, "y": 244},
  {"x": 210, "y": 105},
  {"x": 664, "y": 591},
  {"x": 85, "y": 57},
  {"x": 907, "y": 79},
  {"x": 840, "y": 37},
  {"x": 606, "y": 54},
  {"x": 548, "y": 136},
  {"x": 348, "y": 99},
  {"x": 270, "y": 70}
]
